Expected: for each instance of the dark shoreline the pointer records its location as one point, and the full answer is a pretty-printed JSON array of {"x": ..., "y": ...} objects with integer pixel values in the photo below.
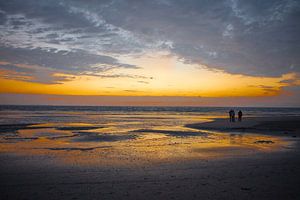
[
  {"x": 262, "y": 176},
  {"x": 278, "y": 126},
  {"x": 259, "y": 175}
]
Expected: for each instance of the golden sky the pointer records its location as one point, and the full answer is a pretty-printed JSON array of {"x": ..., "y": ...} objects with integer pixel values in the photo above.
[
  {"x": 157, "y": 75},
  {"x": 151, "y": 49}
]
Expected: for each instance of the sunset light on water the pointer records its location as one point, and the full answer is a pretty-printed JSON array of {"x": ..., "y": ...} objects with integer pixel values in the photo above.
[{"x": 159, "y": 99}]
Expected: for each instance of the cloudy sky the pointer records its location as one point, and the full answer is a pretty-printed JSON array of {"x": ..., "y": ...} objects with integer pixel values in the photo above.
[{"x": 192, "y": 52}]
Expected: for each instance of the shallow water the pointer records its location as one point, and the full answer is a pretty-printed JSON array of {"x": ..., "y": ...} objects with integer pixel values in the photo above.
[{"x": 117, "y": 137}]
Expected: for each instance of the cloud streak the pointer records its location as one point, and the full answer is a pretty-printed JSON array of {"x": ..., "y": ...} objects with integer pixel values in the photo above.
[{"x": 258, "y": 38}]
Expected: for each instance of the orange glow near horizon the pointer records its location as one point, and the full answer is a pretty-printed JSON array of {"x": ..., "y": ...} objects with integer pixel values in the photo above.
[{"x": 164, "y": 76}]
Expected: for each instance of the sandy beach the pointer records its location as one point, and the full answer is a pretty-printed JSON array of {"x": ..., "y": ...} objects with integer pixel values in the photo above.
[
  {"x": 262, "y": 125},
  {"x": 149, "y": 100},
  {"x": 266, "y": 169}
]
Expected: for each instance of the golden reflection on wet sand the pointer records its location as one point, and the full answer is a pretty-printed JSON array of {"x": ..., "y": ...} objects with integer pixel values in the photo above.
[{"x": 126, "y": 144}]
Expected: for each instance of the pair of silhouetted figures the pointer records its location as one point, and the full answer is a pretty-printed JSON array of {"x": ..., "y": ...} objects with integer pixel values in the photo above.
[{"x": 232, "y": 116}]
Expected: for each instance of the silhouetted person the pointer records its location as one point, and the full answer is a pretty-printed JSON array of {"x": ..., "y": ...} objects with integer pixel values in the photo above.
[
  {"x": 233, "y": 116},
  {"x": 240, "y": 115},
  {"x": 230, "y": 115}
]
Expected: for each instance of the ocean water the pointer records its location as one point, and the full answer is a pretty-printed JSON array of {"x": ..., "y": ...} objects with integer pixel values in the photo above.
[
  {"x": 84, "y": 135},
  {"x": 44, "y": 114}
]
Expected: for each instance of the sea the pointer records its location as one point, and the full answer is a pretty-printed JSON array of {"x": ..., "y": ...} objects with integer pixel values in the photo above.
[
  {"x": 113, "y": 136},
  {"x": 10, "y": 114}
]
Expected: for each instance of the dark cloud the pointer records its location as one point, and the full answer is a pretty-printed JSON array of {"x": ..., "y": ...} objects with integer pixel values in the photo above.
[
  {"x": 143, "y": 82},
  {"x": 293, "y": 81},
  {"x": 131, "y": 91},
  {"x": 15, "y": 68},
  {"x": 35, "y": 74},
  {"x": 118, "y": 76},
  {"x": 76, "y": 62},
  {"x": 238, "y": 36},
  {"x": 248, "y": 37}
]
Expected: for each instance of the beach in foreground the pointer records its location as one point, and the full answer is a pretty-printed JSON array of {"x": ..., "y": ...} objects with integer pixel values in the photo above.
[{"x": 195, "y": 159}]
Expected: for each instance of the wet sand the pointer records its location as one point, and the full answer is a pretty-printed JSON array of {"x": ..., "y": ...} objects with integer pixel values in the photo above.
[
  {"x": 189, "y": 167},
  {"x": 262, "y": 125}
]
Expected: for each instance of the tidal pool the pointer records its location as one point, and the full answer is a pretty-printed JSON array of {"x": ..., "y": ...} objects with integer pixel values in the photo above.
[{"x": 123, "y": 139}]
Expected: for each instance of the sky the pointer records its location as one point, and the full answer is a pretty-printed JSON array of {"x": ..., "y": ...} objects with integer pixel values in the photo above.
[{"x": 159, "y": 52}]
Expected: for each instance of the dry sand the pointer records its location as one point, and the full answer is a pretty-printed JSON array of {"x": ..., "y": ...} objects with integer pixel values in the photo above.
[{"x": 261, "y": 175}]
